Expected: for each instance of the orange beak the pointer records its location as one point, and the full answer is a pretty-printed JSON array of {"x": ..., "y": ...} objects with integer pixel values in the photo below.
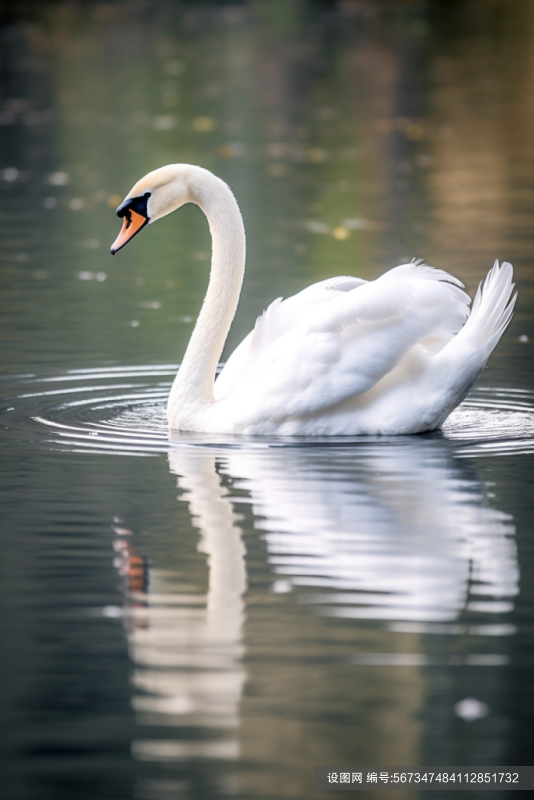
[{"x": 132, "y": 223}]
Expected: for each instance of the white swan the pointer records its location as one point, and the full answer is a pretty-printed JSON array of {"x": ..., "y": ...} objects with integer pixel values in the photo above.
[{"x": 344, "y": 356}]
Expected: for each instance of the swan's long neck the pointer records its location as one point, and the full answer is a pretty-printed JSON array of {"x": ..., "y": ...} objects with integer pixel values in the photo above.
[{"x": 193, "y": 386}]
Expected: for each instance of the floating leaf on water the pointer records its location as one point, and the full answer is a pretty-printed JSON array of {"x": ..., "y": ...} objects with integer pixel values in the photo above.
[
  {"x": 10, "y": 174},
  {"x": 277, "y": 170},
  {"x": 317, "y": 227},
  {"x": 204, "y": 124},
  {"x": 316, "y": 155},
  {"x": 165, "y": 122},
  {"x": 225, "y": 151},
  {"x": 59, "y": 178},
  {"x": 470, "y": 709},
  {"x": 114, "y": 200}
]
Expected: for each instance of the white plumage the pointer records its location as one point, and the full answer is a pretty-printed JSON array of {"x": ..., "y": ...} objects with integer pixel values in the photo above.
[{"x": 344, "y": 356}]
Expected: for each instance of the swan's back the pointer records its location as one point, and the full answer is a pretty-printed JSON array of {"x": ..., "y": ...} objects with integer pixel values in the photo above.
[{"x": 349, "y": 356}]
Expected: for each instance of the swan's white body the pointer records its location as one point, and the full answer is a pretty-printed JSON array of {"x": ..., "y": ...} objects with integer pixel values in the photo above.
[{"x": 344, "y": 356}]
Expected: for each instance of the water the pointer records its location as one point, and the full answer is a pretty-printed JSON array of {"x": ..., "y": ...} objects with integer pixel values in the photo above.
[{"x": 197, "y": 617}]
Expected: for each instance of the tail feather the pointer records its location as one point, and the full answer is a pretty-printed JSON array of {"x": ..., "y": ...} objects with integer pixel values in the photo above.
[
  {"x": 462, "y": 360},
  {"x": 492, "y": 308}
]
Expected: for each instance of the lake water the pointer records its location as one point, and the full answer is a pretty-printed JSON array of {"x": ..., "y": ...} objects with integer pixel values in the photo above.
[{"x": 202, "y": 617}]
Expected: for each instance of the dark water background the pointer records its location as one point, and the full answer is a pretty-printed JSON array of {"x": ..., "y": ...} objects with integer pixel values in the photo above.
[{"x": 190, "y": 621}]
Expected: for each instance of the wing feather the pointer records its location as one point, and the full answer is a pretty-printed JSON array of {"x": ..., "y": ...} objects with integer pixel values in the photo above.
[
  {"x": 308, "y": 353},
  {"x": 278, "y": 318}
]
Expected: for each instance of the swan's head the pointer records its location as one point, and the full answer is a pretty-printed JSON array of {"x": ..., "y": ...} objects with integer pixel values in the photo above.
[{"x": 154, "y": 196}]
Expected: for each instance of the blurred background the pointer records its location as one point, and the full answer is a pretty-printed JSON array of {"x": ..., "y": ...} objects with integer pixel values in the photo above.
[{"x": 356, "y": 135}]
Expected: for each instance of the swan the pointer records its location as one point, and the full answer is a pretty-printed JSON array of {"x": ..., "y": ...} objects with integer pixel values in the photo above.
[{"x": 344, "y": 356}]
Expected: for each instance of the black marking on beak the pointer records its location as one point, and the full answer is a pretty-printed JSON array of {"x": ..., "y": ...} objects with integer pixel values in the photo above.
[{"x": 137, "y": 204}]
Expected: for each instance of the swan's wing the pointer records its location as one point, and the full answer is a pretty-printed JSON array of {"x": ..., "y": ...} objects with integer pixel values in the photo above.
[
  {"x": 350, "y": 344},
  {"x": 418, "y": 269},
  {"x": 276, "y": 320}
]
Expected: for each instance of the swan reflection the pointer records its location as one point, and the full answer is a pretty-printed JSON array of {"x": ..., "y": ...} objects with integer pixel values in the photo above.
[
  {"x": 187, "y": 647},
  {"x": 399, "y": 533}
]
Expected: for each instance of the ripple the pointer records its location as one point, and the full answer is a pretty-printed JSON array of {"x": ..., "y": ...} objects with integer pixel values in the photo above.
[{"x": 121, "y": 410}]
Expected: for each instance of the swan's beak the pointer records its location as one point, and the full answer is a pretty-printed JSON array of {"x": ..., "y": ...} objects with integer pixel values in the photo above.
[
  {"x": 132, "y": 223},
  {"x": 134, "y": 214}
]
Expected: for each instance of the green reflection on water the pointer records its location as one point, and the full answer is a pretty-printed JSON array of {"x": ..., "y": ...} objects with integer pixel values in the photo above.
[{"x": 352, "y": 139}]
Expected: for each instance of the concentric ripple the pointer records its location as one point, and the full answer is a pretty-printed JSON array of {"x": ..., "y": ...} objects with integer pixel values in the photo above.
[{"x": 122, "y": 410}]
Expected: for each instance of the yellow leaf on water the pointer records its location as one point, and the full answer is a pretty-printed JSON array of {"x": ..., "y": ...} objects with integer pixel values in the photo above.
[
  {"x": 340, "y": 233},
  {"x": 204, "y": 124}
]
